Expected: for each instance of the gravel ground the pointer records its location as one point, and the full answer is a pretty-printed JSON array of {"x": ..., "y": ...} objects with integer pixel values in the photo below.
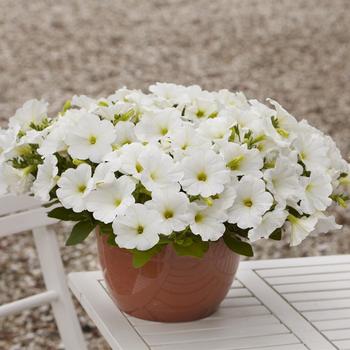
[{"x": 297, "y": 52}]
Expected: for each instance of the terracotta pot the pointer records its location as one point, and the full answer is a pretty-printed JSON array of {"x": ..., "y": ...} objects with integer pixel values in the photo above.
[{"x": 169, "y": 288}]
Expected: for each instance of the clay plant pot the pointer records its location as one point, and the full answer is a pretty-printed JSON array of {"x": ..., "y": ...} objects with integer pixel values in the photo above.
[{"x": 169, "y": 288}]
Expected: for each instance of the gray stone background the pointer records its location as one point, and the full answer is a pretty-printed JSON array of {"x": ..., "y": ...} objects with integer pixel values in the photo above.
[{"x": 295, "y": 51}]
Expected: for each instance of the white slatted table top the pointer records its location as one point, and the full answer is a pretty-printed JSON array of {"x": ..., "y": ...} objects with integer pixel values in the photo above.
[{"x": 284, "y": 304}]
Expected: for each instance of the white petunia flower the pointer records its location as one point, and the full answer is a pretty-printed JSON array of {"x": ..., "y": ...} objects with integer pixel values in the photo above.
[
  {"x": 172, "y": 92},
  {"x": 55, "y": 141},
  {"x": 207, "y": 222},
  {"x": 173, "y": 206},
  {"x": 104, "y": 172},
  {"x": 85, "y": 102},
  {"x": 17, "y": 181},
  {"x": 216, "y": 129},
  {"x": 205, "y": 174},
  {"x": 318, "y": 188},
  {"x": 32, "y": 112},
  {"x": 124, "y": 133},
  {"x": 241, "y": 160},
  {"x": 312, "y": 151},
  {"x": 271, "y": 221},
  {"x": 7, "y": 141},
  {"x": 159, "y": 170},
  {"x": 283, "y": 180},
  {"x": 111, "y": 199},
  {"x": 251, "y": 203},
  {"x": 139, "y": 228},
  {"x": 157, "y": 125},
  {"x": 300, "y": 228},
  {"x": 74, "y": 186},
  {"x": 46, "y": 178},
  {"x": 325, "y": 223},
  {"x": 185, "y": 140},
  {"x": 225, "y": 199},
  {"x": 200, "y": 109},
  {"x": 91, "y": 138},
  {"x": 129, "y": 159}
]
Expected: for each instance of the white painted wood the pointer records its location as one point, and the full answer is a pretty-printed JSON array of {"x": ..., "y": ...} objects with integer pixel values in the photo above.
[
  {"x": 55, "y": 279},
  {"x": 315, "y": 286},
  {"x": 327, "y": 314},
  {"x": 285, "y": 312},
  {"x": 27, "y": 303},
  {"x": 149, "y": 328},
  {"x": 233, "y": 343},
  {"x": 214, "y": 334},
  {"x": 30, "y": 216},
  {"x": 325, "y": 295},
  {"x": 338, "y": 334},
  {"x": 333, "y": 324},
  {"x": 253, "y": 314},
  {"x": 322, "y": 305},
  {"x": 11, "y": 204},
  {"x": 24, "y": 221},
  {"x": 112, "y": 323},
  {"x": 304, "y": 270},
  {"x": 282, "y": 347},
  {"x": 331, "y": 277},
  {"x": 276, "y": 264},
  {"x": 238, "y": 292},
  {"x": 244, "y": 301},
  {"x": 343, "y": 344}
]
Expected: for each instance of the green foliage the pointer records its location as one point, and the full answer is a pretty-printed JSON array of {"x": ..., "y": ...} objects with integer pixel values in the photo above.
[
  {"x": 191, "y": 246},
  {"x": 276, "y": 235},
  {"x": 40, "y": 127},
  {"x": 237, "y": 245},
  {"x": 141, "y": 194},
  {"x": 64, "y": 214},
  {"x": 234, "y": 238},
  {"x": 80, "y": 232},
  {"x": 107, "y": 229},
  {"x": 67, "y": 105},
  {"x": 28, "y": 159},
  {"x": 340, "y": 199},
  {"x": 140, "y": 258}
]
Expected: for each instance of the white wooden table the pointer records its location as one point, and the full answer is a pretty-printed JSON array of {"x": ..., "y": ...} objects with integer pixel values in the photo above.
[{"x": 285, "y": 304}]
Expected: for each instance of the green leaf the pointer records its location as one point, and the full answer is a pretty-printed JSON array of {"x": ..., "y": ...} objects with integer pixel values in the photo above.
[
  {"x": 67, "y": 214},
  {"x": 197, "y": 248},
  {"x": 233, "y": 229},
  {"x": 111, "y": 240},
  {"x": 80, "y": 232},
  {"x": 49, "y": 204},
  {"x": 105, "y": 229},
  {"x": 140, "y": 258},
  {"x": 238, "y": 246},
  {"x": 276, "y": 235}
]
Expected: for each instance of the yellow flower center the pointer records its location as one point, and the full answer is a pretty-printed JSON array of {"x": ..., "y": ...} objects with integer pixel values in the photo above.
[
  {"x": 138, "y": 167},
  {"x": 309, "y": 187},
  {"x": 235, "y": 163},
  {"x": 198, "y": 218},
  {"x": 248, "y": 202},
  {"x": 168, "y": 214},
  {"x": 117, "y": 202},
  {"x": 139, "y": 229},
  {"x": 92, "y": 139},
  {"x": 202, "y": 176},
  {"x": 200, "y": 113},
  {"x": 164, "y": 131},
  {"x": 81, "y": 188}
]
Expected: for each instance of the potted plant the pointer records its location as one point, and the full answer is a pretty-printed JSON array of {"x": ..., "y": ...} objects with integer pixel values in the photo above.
[{"x": 176, "y": 184}]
